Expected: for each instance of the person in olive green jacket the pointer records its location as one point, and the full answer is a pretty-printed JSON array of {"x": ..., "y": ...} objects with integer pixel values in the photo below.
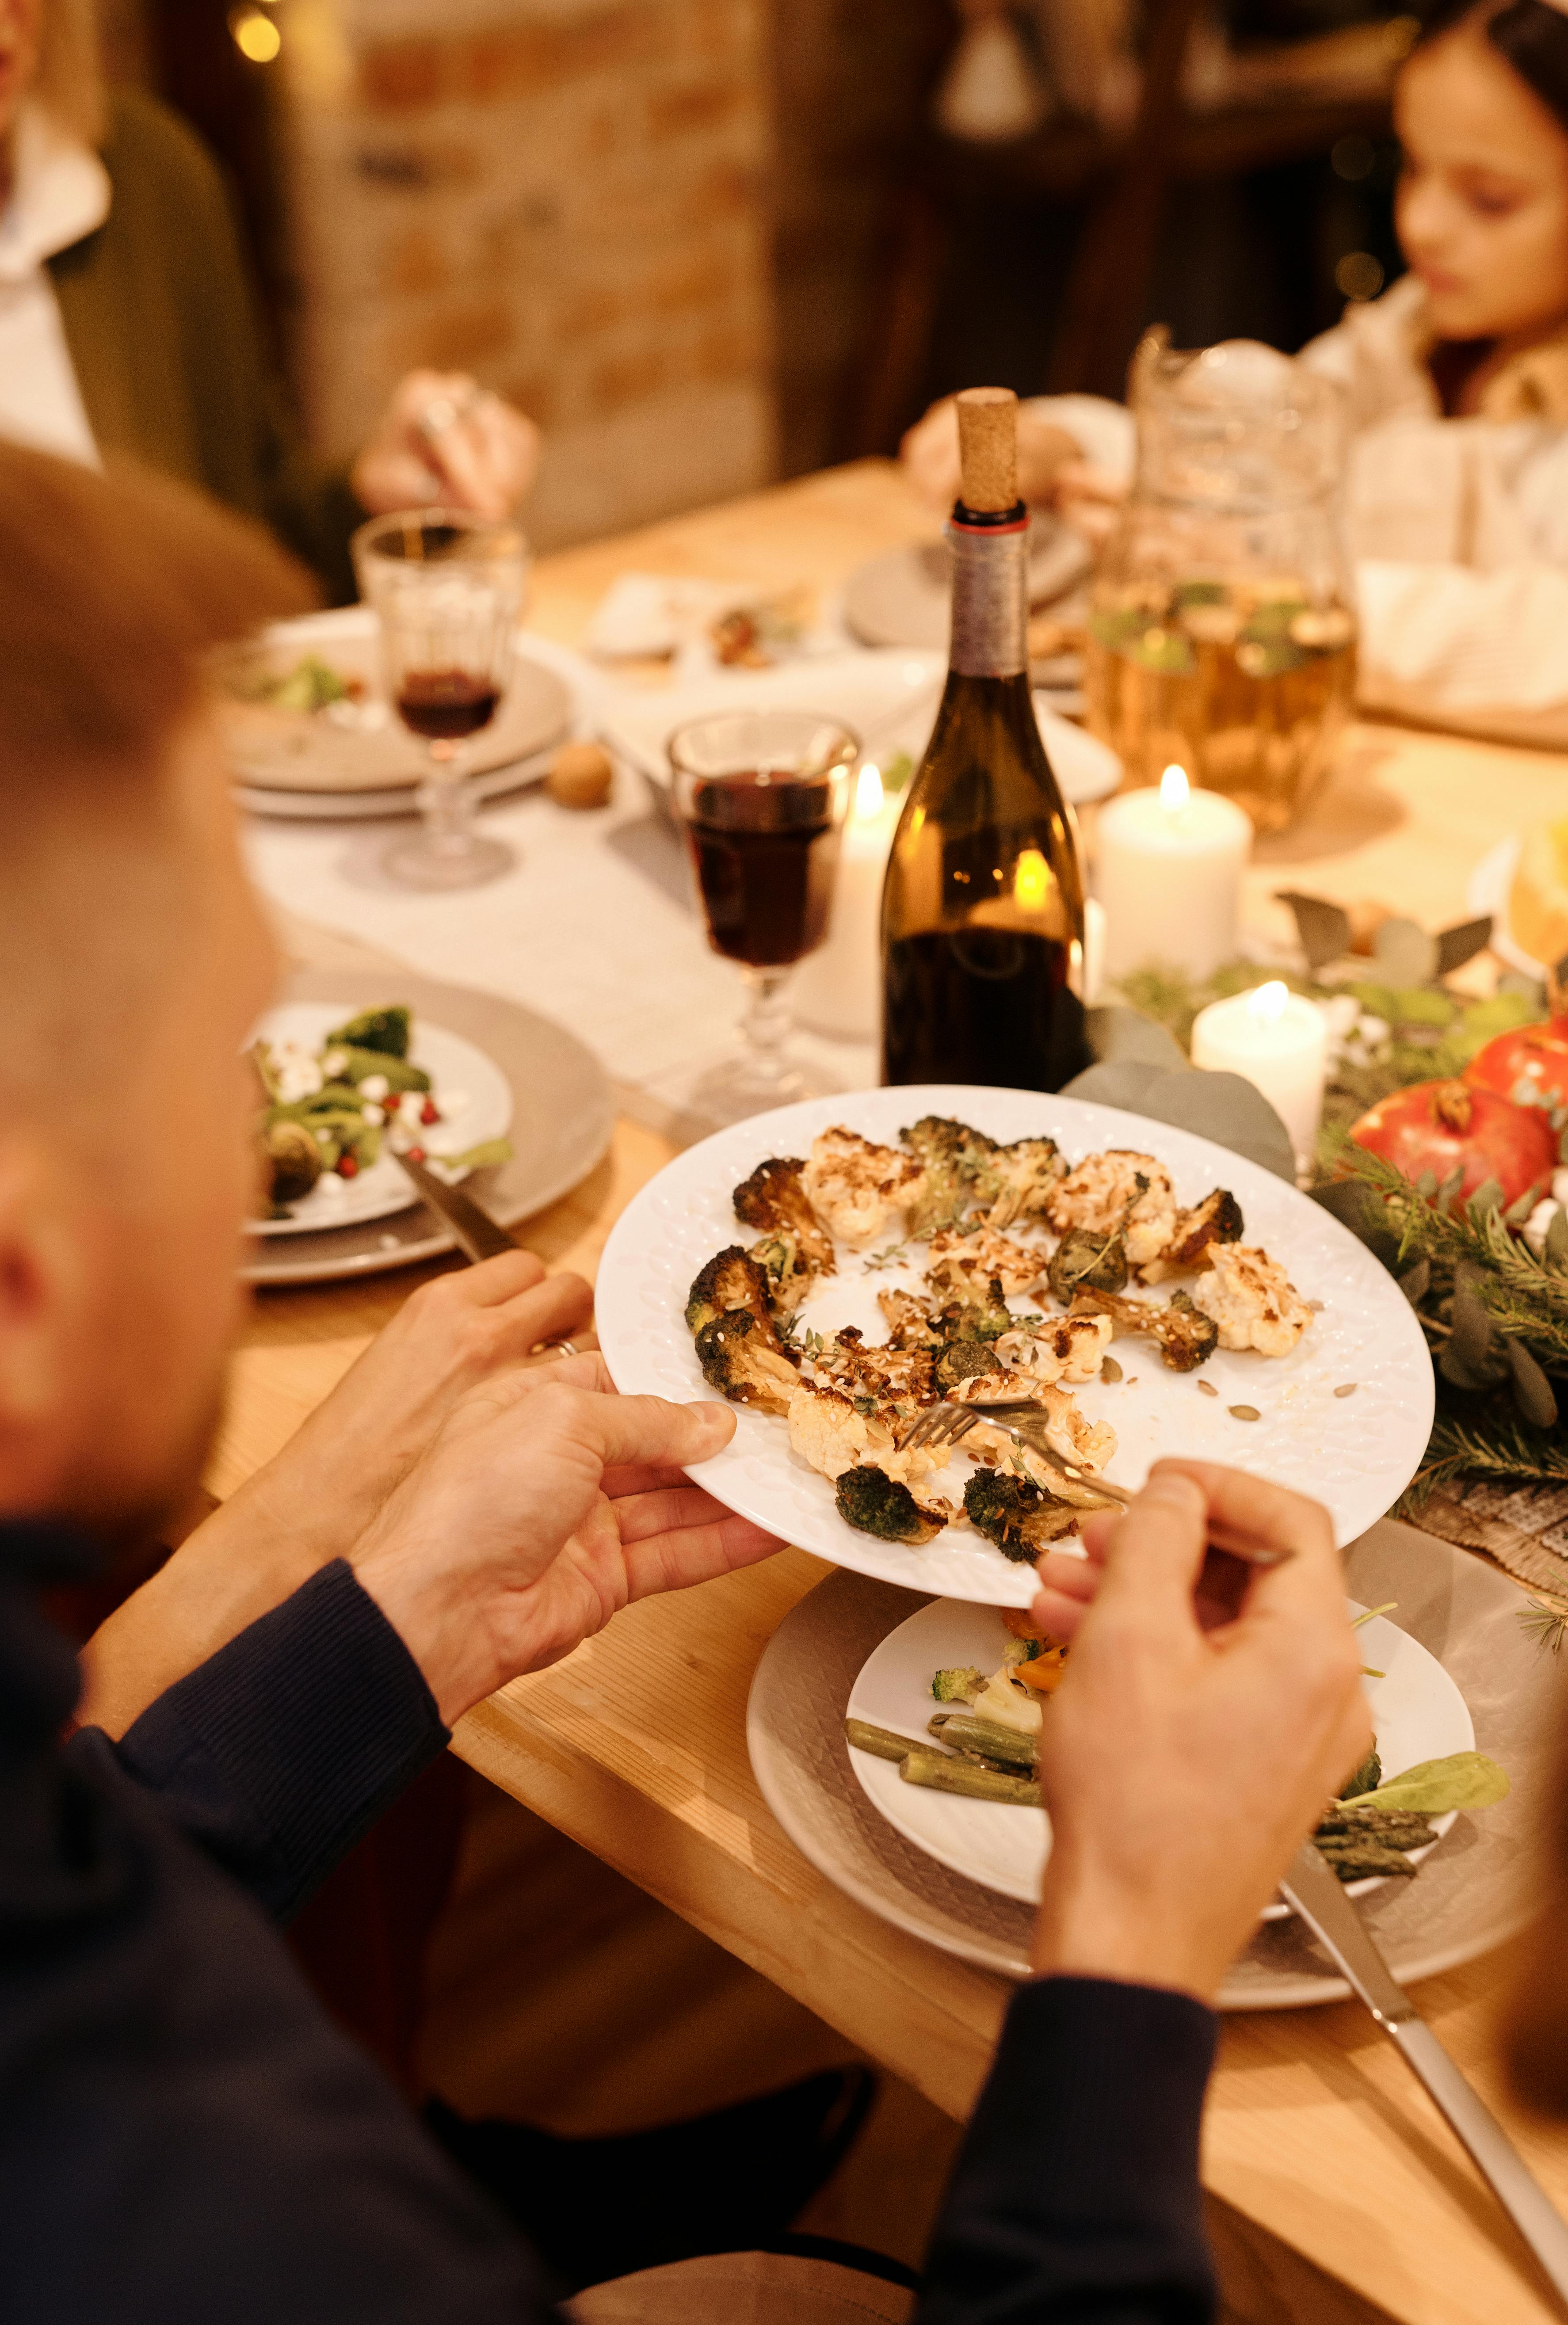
[{"x": 128, "y": 321}]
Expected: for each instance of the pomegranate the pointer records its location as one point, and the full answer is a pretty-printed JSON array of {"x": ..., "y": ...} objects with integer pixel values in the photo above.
[
  {"x": 1528, "y": 1065},
  {"x": 1439, "y": 1127}
]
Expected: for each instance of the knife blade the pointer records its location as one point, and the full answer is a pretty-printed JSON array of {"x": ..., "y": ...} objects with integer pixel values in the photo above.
[
  {"x": 477, "y": 1235},
  {"x": 1312, "y": 1889}
]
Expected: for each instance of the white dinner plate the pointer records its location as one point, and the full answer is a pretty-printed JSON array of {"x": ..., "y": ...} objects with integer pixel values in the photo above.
[
  {"x": 1417, "y": 1712},
  {"x": 1356, "y": 1452},
  {"x": 466, "y": 1081},
  {"x": 287, "y": 762},
  {"x": 890, "y": 697}
]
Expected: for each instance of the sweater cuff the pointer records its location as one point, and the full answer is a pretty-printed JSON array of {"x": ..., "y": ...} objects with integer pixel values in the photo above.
[
  {"x": 1076, "y": 2191},
  {"x": 281, "y": 1751}
]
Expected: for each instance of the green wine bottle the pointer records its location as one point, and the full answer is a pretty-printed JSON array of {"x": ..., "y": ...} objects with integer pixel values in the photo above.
[{"x": 982, "y": 910}]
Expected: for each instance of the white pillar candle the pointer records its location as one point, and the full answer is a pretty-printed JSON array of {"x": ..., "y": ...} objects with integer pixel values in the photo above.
[
  {"x": 1168, "y": 871},
  {"x": 1277, "y": 1041},
  {"x": 838, "y": 988}
]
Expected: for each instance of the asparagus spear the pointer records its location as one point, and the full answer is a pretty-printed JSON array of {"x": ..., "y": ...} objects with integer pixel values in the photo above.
[
  {"x": 944, "y": 1773},
  {"x": 881, "y": 1741},
  {"x": 987, "y": 1737}
]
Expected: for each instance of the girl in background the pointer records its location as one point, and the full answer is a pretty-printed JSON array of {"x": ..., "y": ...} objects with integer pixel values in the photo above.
[{"x": 1456, "y": 382}]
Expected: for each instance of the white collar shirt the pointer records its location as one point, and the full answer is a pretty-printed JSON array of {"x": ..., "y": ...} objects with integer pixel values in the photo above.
[{"x": 59, "y": 192}]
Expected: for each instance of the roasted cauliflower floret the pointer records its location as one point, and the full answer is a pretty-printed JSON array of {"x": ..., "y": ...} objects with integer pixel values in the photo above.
[
  {"x": 1090, "y": 1444},
  {"x": 873, "y": 1503},
  {"x": 1016, "y": 1514},
  {"x": 967, "y": 1266},
  {"x": 1216, "y": 1219},
  {"x": 1058, "y": 1347},
  {"x": 737, "y": 1360},
  {"x": 1187, "y": 1337},
  {"x": 832, "y": 1434},
  {"x": 731, "y": 1278},
  {"x": 1015, "y": 1181},
  {"x": 1252, "y": 1300},
  {"x": 858, "y": 1190},
  {"x": 898, "y": 1381},
  {"x": 1118, "y": 1190},
  {"x": 909, "y": 1322}
]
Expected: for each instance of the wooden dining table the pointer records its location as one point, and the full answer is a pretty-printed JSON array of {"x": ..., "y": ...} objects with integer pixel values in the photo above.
[{"x": 1336, "y": 2192}]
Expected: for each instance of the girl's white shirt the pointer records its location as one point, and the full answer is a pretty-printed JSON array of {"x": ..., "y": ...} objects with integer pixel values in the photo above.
[
  {"x": 1458, "y": 528},
  {"x": 59, "y": 192}
]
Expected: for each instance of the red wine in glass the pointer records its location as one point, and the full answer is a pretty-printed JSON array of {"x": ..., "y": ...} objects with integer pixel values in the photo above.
[
  {"x": 445, "y": 705},
  {"x": 765, "y": 847}
]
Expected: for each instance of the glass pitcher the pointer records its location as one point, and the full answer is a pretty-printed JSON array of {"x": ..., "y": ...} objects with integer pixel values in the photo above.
[{"x": 1222, "y": 638}]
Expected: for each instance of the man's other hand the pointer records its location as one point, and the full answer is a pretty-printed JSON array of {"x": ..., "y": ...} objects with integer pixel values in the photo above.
[
  {"x": 544, "y": 1505},
  {"x": 1194, "y": 1740}
]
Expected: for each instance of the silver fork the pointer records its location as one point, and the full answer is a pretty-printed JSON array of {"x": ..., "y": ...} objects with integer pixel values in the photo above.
[{"x": 948, "y": 1424}]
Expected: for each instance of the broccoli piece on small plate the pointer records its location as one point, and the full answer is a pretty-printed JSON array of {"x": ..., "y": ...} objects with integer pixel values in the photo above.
[
  {"x": 960, "y": 1684},
  {"x": 873, "y": 1503}
]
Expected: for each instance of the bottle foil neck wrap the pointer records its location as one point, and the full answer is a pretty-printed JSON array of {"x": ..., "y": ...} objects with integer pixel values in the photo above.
[{"x": 990, "y": 602}]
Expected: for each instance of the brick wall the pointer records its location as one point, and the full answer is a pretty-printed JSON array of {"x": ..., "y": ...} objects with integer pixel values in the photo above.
[{"x": 568, "y": 198}]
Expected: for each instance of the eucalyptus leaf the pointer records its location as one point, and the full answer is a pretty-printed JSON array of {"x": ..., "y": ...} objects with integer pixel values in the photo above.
[
  {"x": 1460, "y": 943},
  {"x": 1488, "y": 1197},
  {"x": 1220, "y": 1106},
  {"x": 1324, "y": 929},
  {"x": 1416, "y": 1281},
  {"x": 1405, "y": 953},
  {"x": 1519, "y": 1209},
  {"x": 1117, "y": 1036},
  {"x": 1529, "y": 988},
  {"x": 1556, "y": 1252},
  {"x": 1470, "y": 1357},
  {"x": 1532, "y": 1389},
  {"x": 1463, "y": 1780}
]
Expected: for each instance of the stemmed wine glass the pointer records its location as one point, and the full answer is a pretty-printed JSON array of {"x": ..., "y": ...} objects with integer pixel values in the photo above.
[
  {"x": 761, "y": 795},
  {"x": 447, "y": 589}
]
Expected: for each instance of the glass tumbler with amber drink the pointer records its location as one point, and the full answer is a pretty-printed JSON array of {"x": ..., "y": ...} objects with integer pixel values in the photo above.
[
  {"x": 1221, "y": 638},
  {"x": 761, "y": 797}
]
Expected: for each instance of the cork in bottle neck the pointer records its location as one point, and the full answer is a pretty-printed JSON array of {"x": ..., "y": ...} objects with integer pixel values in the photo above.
[{"x": 987, "y": 420}]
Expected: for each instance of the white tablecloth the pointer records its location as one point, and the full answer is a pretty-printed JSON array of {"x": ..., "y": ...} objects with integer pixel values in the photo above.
[{"x": 596, "y": 927}]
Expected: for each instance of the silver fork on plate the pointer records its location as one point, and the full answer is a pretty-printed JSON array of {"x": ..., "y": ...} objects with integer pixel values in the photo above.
[{"x": 947, "y": 1424}]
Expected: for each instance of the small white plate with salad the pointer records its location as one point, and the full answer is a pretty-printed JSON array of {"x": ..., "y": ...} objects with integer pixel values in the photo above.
[
  {"x": 969, "y": 1653},
  {"x": 345, "y": 1089}
]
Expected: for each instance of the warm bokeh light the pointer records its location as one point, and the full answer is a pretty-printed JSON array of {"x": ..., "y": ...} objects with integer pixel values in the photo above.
[
  {"x": 1267, "y": 1002},
  {"x": 1174, "y": 790},
  {"x": 256, "y": 36},
  {"x": 1031, "y": 881},
  {"x": 869, "y": 792}
]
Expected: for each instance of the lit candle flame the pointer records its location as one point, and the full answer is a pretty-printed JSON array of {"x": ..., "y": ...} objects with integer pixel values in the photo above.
[
  {"x": 1031, "y": 881},
  {"x": 869, "y": 792},
  {"x": 1176, "y": 791},
  {"x": 1266, "y": 1002}
]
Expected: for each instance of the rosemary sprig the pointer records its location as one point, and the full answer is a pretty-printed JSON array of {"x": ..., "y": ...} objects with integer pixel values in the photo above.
[{"x": 1545, "y": 1620}]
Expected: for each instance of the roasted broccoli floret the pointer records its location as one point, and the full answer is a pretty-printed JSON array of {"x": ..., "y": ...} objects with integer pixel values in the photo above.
[
  {"x": 977, "y": 1320},
  {"x": 788, "y": 1277},
  {"x": 1187, "y": 1337},
  {"x": 1216, "y": 1219},
  {"x": 1083, "y": 1259},
  {"x": 385, "y": 1030},
  {"x": 873, "y": 1503},
  {"x": 966, "y": 1360},
  {"x": 950, "y": 1153},
  {"x": 731, "y": 1278},
  {"x": 737, "y": 1359},
  {"x": 1364, "y": 1779},
  {"x": 957, "y": 1685},
  {"x": 1016, "y": 1514},
  {"x": 1015, "y": 1180},
  {"x": 774, "y": 1201}
]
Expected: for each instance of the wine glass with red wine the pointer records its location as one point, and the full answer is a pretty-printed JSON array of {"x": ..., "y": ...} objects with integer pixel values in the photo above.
[
  {"x": 761, "y": 795},
  {"x": 447, "y": 589}
]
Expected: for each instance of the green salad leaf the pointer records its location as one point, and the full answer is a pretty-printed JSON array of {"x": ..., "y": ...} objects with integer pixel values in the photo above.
[{"x": 1464, "y": 1779}]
